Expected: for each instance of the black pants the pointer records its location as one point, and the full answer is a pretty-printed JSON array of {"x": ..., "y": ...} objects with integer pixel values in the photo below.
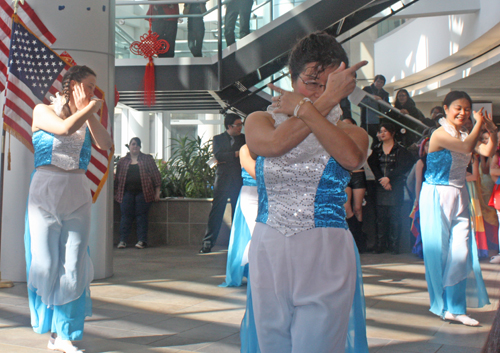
[
  {"x": 243, "y": 8},
  {"x": 166, "y": 30},
  {"x": 388, "y": 227},
  {"x": 196, "y": 32},
  {"x": 217, "y": 213}
]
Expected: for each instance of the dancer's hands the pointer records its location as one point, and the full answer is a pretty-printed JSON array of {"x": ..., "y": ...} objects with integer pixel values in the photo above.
[
  {"x": 82, "y": 100},
  {"x": 80, "y": 97},
  {"x": 95, "y": 104},
  {"x": 286, "y": 102},
  {"x": 342, "y": 81},
  {"x": 489, "y": 125}
]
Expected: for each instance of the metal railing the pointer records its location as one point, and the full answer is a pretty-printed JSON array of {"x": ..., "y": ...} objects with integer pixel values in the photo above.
[{"x": 132, "y": 22}]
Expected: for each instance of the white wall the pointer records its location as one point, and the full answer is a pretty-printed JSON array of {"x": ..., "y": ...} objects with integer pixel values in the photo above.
[{"x": 423, "y": 42}]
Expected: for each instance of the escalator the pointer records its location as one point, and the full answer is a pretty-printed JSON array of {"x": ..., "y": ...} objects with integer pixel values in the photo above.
[{"x": 197, "y": 85}]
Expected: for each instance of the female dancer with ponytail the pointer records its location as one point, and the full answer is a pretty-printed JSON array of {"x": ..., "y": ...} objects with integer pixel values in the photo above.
[{"x": 59, "y": 269}]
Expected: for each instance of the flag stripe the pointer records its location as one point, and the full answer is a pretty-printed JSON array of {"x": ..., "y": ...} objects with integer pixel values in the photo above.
[
  {"x": 36, "y": 21},
  {"x": 11, "y": 123},
  {"x": 33, "y": 65}
]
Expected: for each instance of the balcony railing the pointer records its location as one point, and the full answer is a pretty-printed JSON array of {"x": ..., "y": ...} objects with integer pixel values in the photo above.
[{"x": 132, "y": 22}]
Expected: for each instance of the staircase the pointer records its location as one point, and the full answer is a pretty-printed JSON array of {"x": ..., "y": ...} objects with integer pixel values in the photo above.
[{"x": 210, "y": 84}]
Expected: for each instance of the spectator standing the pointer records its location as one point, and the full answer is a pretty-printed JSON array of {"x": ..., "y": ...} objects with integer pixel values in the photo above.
[
  {"x": 228, "y": 181},
  {"x": 137, "y": 184},
  {"x": 389, "y": 162},
  {"x": 407, "y": 105},
  {"x": 355, "y": 191},
  {"x": 165, "y": 27},
  {"x": 369, "y": 119},
  {"x": 235, "y": 8},
  {"x": 196, "y": 27}
]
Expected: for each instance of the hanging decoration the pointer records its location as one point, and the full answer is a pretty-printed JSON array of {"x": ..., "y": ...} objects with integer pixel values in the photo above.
[{"x": 149, "y": 46}]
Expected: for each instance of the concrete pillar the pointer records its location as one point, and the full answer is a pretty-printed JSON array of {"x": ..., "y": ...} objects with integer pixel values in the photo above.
[
  {"x": 138, "y": 126},
  {"x": 159, "y": 149},
  {"x": 167, "y": 134},
  {"x": 85, "y": 29}
]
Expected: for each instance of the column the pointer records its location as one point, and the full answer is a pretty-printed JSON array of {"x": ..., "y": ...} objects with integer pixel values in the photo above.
[{"x": 138, "y": 126}]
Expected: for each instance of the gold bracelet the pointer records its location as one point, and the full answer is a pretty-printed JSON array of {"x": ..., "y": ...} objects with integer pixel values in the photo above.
[{"x": 296, "y": 111}]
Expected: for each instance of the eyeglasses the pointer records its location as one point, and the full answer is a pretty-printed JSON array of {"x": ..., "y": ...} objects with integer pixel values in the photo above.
[
  {"x": 237, "y": 125},
  {"x": 312, "y": 86}
]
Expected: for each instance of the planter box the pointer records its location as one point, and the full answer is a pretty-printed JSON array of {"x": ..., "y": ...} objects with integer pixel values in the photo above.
[{"x": 177, "y": 221}]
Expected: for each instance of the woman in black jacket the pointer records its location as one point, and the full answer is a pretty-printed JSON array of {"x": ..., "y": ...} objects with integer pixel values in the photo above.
[{"x": 389, "y": 162}]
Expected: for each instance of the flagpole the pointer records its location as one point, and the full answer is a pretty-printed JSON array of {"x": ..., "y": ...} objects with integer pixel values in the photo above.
[
  {"x": 3, "y": 283},
  {"x": 16, "y": 4}
]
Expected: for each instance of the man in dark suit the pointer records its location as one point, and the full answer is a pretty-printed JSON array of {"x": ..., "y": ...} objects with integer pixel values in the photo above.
[
  {"x": 228, "y": 180},
  {"x": 369, "y": 119}
]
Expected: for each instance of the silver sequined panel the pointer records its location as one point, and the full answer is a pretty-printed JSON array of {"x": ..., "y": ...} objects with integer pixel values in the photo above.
[
  {"x": 460, "y": 161},
  {"x": 292, "y": 180},
  {"x": 66, "y": 149},
  {"x": 459, "y": 164}
]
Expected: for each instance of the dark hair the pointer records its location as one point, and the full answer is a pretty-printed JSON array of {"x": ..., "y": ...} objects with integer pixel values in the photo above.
[
  {"x": 455, "y": 95},
  {"x": 77, "y": 73},
  {"x": 318, "y": 47},
  {"x": 230, "y": 119},
  {"x": 409, "y": 102},
  {"x": 390, "y": 127},
  {"x": 380, "y": 77},
  {"x": 137, "y": 141},
  {"x": 351, "y": 120},
  {"x": 439, "y": 108}
]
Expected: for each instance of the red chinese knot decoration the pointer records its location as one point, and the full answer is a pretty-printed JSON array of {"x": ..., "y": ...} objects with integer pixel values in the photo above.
[{"x": 149, "y": 46}]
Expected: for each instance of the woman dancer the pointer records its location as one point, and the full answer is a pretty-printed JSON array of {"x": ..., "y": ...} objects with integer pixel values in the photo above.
[
  {"x": 137, "y": 184},
  {"x": 243, "y": 223},
  {"x": 450, "y": 254},
  {"x": 59, "y": 269},
  {"x": 302, "y": 257}
]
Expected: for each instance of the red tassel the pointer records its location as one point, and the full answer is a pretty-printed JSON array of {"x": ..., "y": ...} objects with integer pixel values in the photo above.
[{"x": 149, "y": 84}]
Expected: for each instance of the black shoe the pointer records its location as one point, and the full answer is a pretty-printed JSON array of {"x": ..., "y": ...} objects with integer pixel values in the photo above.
[{"x": 205, "y": 250}]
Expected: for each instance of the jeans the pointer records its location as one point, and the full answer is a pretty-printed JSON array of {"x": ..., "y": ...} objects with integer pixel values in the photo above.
[
  {"x": 388, "y": 227},
  {"x": 134, "y": 206},
  {"x": 217, "y": 213}
]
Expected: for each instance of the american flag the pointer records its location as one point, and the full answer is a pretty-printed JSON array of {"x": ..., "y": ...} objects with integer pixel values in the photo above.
[
  {"x": 35, "y": 73},
  {"x": 30, "y": 19}
]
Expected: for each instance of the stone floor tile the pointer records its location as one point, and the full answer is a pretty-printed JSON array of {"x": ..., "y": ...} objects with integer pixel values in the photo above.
[{"x": 168, "y": 299}]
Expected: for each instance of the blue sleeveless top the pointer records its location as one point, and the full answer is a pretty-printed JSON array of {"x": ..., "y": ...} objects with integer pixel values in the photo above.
[
  {"x": 446, "y": 167},
  {"x": 304, "y": 188},
  {"x": 66, "y": 152}
]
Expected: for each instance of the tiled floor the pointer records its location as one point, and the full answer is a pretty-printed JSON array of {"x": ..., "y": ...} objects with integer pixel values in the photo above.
[{"x": 168, "y": 300}]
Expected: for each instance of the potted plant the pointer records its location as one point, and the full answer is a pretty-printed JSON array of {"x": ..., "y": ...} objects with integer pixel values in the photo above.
[{"x": 186, "y": 173}]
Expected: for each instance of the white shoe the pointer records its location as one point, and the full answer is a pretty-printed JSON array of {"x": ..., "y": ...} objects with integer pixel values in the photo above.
[
  {"x": 122, "y": 245},
  {"x": 495, "y": 259},
  {"x": 464, "y": 319},
  {"x": 66, "y": 346}
]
